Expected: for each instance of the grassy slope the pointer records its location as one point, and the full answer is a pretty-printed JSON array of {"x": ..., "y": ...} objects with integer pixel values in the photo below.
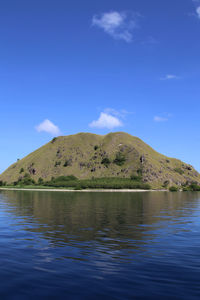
[{"x": 86, "y": 162}]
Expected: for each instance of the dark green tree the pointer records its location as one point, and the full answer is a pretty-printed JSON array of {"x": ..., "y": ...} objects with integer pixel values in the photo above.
[{"x": 119, "y": 159}]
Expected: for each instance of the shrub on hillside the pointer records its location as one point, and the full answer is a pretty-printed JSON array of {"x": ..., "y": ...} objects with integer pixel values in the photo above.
[
  {"x": 186, "y": 189},
  {"x": 105, "y": 161},
  {"x": 136, "y": 178},
  {"x": 66, "y": 178},
  {"x": 166, "y": 183},
  {"x": 40, "y": 181},
  {"x": 119, "y": 159},
  {"x": 21, "y": 170},
  {"x": 62, "y": 181},
  {"x": 99, "y": 183},
  {"x": 53, "y": 140},
  {"x": 26, "y": 180},
  {"x": 173, "y": 189},
  {"x": 179, "y": 170},
  {"x": 67, "y": 163},
  {"x": 194, "y": 187},
  {"x": 139, "y": 172},
  {"x": 57, "y": 163}
]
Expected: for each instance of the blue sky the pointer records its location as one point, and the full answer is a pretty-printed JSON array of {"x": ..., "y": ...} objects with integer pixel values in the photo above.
[{"x": 100, "y": 66}]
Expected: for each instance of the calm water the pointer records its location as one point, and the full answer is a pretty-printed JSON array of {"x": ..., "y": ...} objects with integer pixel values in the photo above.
[{"x": 99, "y": 245}]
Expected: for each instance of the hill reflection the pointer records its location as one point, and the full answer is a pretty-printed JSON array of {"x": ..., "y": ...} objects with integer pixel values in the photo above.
[{"x": 114, "y": 220}]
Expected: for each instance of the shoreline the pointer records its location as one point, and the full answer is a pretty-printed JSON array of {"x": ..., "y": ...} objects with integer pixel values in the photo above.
[{"x": 85, "y": 190}]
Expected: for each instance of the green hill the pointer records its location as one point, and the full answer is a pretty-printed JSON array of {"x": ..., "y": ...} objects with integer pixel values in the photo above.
[{"x": 87, "y": 155}]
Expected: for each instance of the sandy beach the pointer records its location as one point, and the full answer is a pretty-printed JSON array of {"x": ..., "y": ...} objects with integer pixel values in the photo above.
[{"x": 85, "y": 190}]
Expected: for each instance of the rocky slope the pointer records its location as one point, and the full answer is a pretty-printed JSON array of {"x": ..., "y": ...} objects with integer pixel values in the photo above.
[{"x": 87, "y": 155}]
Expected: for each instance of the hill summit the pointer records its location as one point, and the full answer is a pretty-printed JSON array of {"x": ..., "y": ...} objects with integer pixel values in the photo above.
[{"x": 87, "y": 155}]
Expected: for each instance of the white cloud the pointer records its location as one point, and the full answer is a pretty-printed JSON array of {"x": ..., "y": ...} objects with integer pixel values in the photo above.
[
  {"x": 49, "y": 127},
  {"x": 169, "y": 77},
  {"x": 106, "y": 120},
  {"x": 198, "y": 11},
  {"x": 112, "y": 111},
  {"x": 118, "y": 113},
  {"x": 118, "y": 25},
  {"x": 160, "y": 119}
]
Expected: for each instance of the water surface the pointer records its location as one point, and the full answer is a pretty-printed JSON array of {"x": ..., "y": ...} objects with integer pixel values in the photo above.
[{"x": 56, "y": 245}]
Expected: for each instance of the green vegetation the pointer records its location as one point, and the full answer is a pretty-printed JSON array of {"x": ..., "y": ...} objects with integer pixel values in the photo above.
[
  {"x": 139, "y": 172},
  {"x": 21, "y": 170},
  {"x": 57, "y": 163},
  {"x": 97, "y": 183},
  {"x": 26, "y": 180},
  {"x": 119, "y": 159},
  {"x": 136, "y": 178},
  {"x": 186, "y": 188},
  {"x": 72, "y": 182},
  {"x": 53, "y": 140},
  {"x": 78, "y": 184},
  {"x": 2, "y": 183},
  {"x": 40, "y": 181},
  {"x": 64, "y": 178},
  {"x": 179, "y": 171},
  {"x": 173, "y": 189},
  {"x": 194, "y": 187},
  {"x": 105, "y": 161},
  {"x": 166, "y": 183},
  {"x": 67, "y": 163}
]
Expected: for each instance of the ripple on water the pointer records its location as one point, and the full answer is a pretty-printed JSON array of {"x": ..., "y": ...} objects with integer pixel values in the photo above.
[{"x": 93, "y": 245}]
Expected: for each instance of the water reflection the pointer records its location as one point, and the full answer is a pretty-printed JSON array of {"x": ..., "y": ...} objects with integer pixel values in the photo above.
[
  {"x": 116, "y": 220},
  {"x": 95, "y": 245}
]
